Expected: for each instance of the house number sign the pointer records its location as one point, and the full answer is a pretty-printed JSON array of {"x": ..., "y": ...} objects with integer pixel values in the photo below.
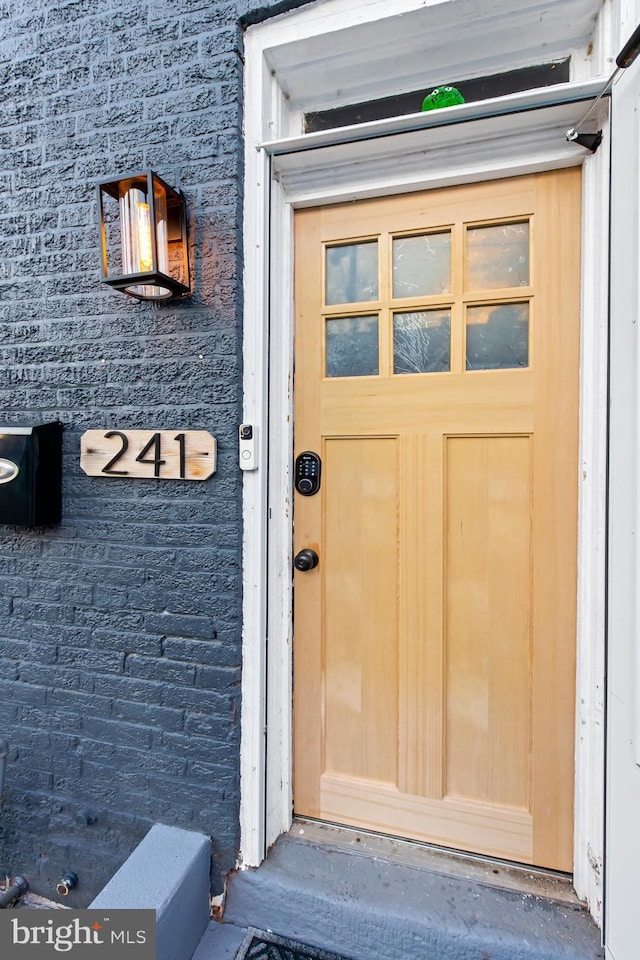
[{"x": 160, "y": 454}]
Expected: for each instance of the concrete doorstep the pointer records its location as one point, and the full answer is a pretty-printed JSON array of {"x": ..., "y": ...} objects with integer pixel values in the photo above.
[{"x": 368, "y": 908}]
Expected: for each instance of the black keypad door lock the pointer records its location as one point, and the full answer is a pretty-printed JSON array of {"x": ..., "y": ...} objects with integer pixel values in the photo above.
[{"x": 308, "y": 468}]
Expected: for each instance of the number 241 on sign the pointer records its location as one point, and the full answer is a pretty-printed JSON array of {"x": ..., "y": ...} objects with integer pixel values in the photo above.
[{"x": 142, "y": 454}]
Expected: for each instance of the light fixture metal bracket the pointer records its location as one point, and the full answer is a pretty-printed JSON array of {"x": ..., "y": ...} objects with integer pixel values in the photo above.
[{"x": 591, "y": 141}]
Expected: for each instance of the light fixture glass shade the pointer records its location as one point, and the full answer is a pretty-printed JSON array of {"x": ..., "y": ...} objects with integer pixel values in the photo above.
[{"x": 144, "y": 238}]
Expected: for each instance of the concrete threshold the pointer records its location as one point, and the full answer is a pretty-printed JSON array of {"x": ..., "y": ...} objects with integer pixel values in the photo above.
[
  {"x": 497, "y": 873},
  {"x": 354, "y": 901}
]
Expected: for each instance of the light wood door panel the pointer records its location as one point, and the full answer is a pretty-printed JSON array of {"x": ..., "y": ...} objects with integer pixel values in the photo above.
[
  {"x": 361, "y": 600},
  {"x": 434, "y": 643},
  {"x": 487, "y": 582}
]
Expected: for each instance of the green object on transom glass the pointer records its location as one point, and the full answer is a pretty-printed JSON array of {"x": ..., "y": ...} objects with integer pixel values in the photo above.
[{"x": 442, "y": 97}]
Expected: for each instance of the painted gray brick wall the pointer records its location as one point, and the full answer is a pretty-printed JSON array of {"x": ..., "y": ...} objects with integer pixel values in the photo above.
[{"x": 120, "y": 654}]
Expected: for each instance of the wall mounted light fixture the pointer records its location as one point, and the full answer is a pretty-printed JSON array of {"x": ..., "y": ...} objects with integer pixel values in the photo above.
[{"x": 143, "y": 227}]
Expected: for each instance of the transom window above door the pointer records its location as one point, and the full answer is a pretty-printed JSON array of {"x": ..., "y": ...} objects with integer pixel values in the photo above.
[{"x": 450, "y": 300}]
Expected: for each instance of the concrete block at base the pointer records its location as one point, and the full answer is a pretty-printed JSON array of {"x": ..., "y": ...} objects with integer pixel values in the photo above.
[{"x": 167, "y": 872}]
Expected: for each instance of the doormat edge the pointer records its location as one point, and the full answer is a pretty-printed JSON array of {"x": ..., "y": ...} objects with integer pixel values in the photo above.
[{"x": 300, "y": 951}]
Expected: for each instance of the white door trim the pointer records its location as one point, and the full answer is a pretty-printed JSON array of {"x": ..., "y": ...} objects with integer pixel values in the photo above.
[
  {"x": 270, "y": 195},
  {"x": 623, "y": 715}
]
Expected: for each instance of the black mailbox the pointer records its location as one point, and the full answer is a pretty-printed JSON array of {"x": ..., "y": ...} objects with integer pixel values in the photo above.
[{"x": 31, "y": 474}]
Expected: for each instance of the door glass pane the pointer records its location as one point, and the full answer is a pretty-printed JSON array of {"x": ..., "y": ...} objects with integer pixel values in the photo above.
[
  {"x": 352, "y": 346},
  {"x": 422, "y": 265},
  {"x": 497, "y": 256},
  {"x": 422, "y": 341},
  {"x": 498, "y": 336},
  {"x": 352, "y": 272}
]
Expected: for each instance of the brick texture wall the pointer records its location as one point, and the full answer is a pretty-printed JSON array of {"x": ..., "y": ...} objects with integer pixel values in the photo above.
[{"x": 120, "y": 630}]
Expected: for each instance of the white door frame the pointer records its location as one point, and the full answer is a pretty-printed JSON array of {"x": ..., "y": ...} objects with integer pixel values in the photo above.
[
  {"x": 623, "y": 715},
  {"x": 274, "y": 186}
]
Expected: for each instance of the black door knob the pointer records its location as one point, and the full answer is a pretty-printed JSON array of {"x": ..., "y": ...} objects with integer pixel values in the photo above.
[{"x": 306, "y": 560}]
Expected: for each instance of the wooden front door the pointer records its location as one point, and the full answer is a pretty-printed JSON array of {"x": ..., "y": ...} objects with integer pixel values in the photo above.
[{"x": 436, "y": 376}]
